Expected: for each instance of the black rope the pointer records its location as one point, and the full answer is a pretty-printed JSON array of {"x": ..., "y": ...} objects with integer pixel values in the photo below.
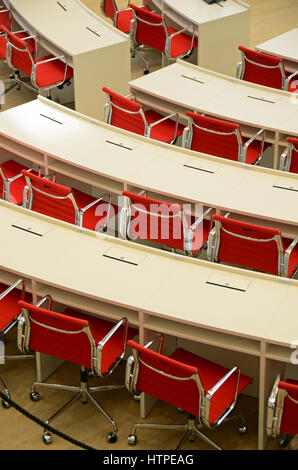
[{"x": 38, "y": 421}]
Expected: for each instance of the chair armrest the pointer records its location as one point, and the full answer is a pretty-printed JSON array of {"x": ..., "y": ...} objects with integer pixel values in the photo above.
[
  {"x": 200, "y": 219},
  {"x": 214, "y": 389},
  {"x": 12, "y": 287},
  {"x": 164, "y": 119},
  {"x": 288, "y": 79},
  {"x": 238, "y": 69},
  {"x": 46, "y": 298},
  {"x": 96, "y": 201},
  {"x": 36, "y": 64},
  {"x": 161, "y": 342},
  {"x": 247, "y": 144},
  {"x": 106, "y": 339},
  {"x": 283, "y": 160},
  {"x": 288, "y": 254},
  {"x": 271, "y": 409},
  {"x": 170, "y": 37},
  {"x": 19, "y": 175},
  {"x": 84, "y": 209}
]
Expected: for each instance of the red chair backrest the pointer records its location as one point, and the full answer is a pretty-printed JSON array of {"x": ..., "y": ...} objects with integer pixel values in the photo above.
[
  {"x": 4, "y": 17},
  {"x": 294, "y": 161},
  {"x": 255, "y": 73},
  {"x": 110, "y": 8},
  {"x": 21, "y": 58},
  {"x": 125, "y": 113},
  {"x": 74, "y": 347},
  {"x": 45, "y": 200},
  {"x": 180, "y": 393},
  {"x": 225, "y": 145},
  {"x": 161, "y": 223},
  {"x": 248, "y": 252},
  {"x": 289, "y": 421},
  {"x": 152, "y": 34}
]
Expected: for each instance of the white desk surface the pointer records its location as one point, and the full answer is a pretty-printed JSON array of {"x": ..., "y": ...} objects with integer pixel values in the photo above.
[
  {"x": 66, "y": 26},
  {"x": 199, "y": 12},
  {"x": 193, "y": 87},
  {"x": 285, "y": 45},
  {"x": 164, "y": 284},
  {"x": 81, "y": 142}
]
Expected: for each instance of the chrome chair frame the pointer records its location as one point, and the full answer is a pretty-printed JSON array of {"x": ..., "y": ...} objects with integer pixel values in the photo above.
[
  {"x": 7, "y": 182},
  {"x": 283, "y": 257},
  {"x": 188, "y": 230},
  {"x": 82, "y": 391},
  {"x": 242, "y": 148},
  {"x": 136, "y": 47},
  {"x": 286, "y": 157},
  {"x": 147, "y": 127},
  {"x": 192, "y": 428},
  {"x": 79, "y": 213}
]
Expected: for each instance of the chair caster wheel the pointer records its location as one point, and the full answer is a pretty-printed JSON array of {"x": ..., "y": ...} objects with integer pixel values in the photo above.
[
  {"x": 112, "y": 437},
  {"x": 132, "y": 439},
  {"x": 5, "y": 404},
  {"x": 47, "y": 438},
  {"x": 283, "y": 441},
  {"x": 146, "y": 71},
  {"x": 137, "y": 398},
  {"x": 242, "y": 430},
  {"x": 34, "y": 396}
]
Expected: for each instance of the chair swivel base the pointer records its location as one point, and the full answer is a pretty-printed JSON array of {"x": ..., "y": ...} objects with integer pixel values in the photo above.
[
  {"x": 191, "y": 431},
  {"x": 82, "y": 391}
]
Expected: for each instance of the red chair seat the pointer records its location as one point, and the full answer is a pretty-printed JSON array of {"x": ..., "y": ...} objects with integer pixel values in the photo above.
[
  {"x": 165, "y": 130},
  {"x": 10, "y": 169},
  {"x": 180, "y": 43},
  {"x": 51, "y": 72},
  {"x": 100, "y": 329},
  {"x": 254, "y": 150},
  {"x": 92, "y": 218},
  {"x": 210, "y": 373},
  {"x": 9, "y": 308}
]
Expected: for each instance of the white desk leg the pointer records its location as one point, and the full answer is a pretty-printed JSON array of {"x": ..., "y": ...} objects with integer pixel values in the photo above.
[{"x": 268, "y": 372}]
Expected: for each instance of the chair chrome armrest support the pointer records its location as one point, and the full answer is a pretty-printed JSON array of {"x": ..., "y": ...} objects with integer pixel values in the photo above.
[
  {"x": 164, "y": 119},
  {"x": 238, "y": 69},
  {"x": 104, "y": 341},
  {"x": 200, "y": 219},
  {"x": 185, "y": 137},
  {"x": 288, "y": 79},
  {"x": 12, "y": 287},
  {"x": 213, "y": 390},
  {"x": 46, "y": 298},
  {"x": 84, "y": 209},
  {"x": 159, "y": 337},
  {"x": 210, "y": 245},
  {"x": 247, "y": 144},
  {"x": 287, "y": 256},
  {"x": 272, "y": 419},
  {"x": 283, "y": 162}
]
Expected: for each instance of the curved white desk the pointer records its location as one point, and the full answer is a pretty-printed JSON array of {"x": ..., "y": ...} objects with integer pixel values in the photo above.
[
  {"x": 94, "y": 48},
  {"x": 285, "y": 45},
  {"x": 220, "y": 29},
  {"x": 102, "y": 156},
  {"x": 251, "y": 323},
  {"x": 183, "y": 86}
]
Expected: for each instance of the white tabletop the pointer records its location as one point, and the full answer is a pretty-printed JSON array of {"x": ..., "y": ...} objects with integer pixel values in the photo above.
[
  {"x": 285, "y": 45},
  {"x": 67, "y": 24},
  {"x": 87, "y": 144},
  {"x": 193, "y": 87},
  {"x": 164, "y": 284}
]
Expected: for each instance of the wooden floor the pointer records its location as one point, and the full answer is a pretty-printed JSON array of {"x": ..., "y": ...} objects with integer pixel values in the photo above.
[{"x": 82, "y": 422}]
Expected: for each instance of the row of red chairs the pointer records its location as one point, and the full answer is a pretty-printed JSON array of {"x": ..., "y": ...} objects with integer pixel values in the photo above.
[
  {"x": 149, "y": 29},
  {"x": 205, "y": 390},
  {"x": 203, "y": 134},
  {"x": 19, "y": 50},
  {"x": 141, "y": 217}
]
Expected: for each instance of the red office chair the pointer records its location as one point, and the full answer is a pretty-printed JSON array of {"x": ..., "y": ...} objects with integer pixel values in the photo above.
[
  {"x": 9, "y": 315},
  {"x": 252, "y": 246},
  {"x": 45, "y": 73},
  {"x": 67, "y": 204},
  {"x": 266, "y": 70},
  {"x": 282, "y": 411},
  {"x": 12, "y": 181},
  {"x": 207, "y": 391},
  {"x": 150, "y": 29},
  {"x": 121, "y": 18},
  {"x": 222, "y": 139},
  {"x": 91, "y": 342},
  {"x": 163, "y": 223},
  {"x": 289, "y": 158},
  {"x": 123, "y": 112}
]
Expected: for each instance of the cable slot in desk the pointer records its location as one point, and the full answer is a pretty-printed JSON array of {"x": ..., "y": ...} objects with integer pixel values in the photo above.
[
  {"x": 194, "y": 79},
  {"x": 119, "y": 259},
  {"x": 261, "y": 99},
  {"x": 27, "y": 230},
  {"x": 198, "y": 165},
  {"x": 62, "y": 6},
  {"x": 93, "y": 31},
  {"x": 119, "y": 144},
  {"x": 51, "y": 118}
]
